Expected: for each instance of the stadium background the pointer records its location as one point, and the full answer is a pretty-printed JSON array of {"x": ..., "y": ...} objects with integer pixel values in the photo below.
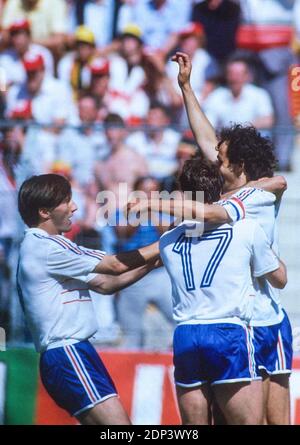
[{"x": 35, "y": 140}]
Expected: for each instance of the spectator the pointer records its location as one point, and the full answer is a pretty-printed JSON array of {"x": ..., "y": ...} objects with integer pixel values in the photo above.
[
  {"x": 127, "y": 77},
  {"x": 73, "y": 68},
  {"x": 123, "y": 165},
  {"x": 99, "y": 87},
  {"x": 158, "y": 144},
  {"x": 133, "y": 301},
  {"x": 82, "y": 147},
  {"x": 10, "y": 151},
  {"x": 20, "y": 43},
  {"x": 159, "y": 20},
  {"x": 240, "y": 101},
  {"x": 205, "y": 68},
  {"x": 191, "y": 42},
  {"x": 274, "y": 57},
  {"x": 49, "y": 101},
  {"x": 47, "y": 18},
  {"x": 186, "y": 150},
  {"x": 220, "y": 19}
]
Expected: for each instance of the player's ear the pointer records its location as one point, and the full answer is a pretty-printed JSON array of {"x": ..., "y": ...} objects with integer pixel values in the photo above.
[{"x": 44, "y": 214}]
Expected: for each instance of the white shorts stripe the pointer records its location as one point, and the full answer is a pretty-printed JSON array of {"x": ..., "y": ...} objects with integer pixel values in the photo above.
[
  {"x": 79, "y": 374},
  {"x": 84, "y": 370},
  {"x": 280, "y": 353}
]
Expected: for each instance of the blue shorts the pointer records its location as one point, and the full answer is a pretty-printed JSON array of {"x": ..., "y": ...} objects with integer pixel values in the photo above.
[
  {"x": 274, "y": 347},
  {"x": 75, "y": 377},
  {"x": 212, "y": 353}
]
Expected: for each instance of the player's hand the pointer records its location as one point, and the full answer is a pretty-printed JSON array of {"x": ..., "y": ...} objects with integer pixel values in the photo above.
[
  {"x": 136, "y": 206},
  {"x": 185, "y": 68}
]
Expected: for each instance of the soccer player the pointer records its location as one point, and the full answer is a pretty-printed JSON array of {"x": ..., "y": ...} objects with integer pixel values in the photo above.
[
  {"x": 212, "y": 304},
  {"x": 54, "y": 278},
  {"x": 244, "y": 156}
]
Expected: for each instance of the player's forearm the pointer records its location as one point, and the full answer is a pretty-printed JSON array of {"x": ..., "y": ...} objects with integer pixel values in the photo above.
[
  {"x": 110, "y": 284},
  {"x": 276, "y": 185},
  {"x": 125, "y": 261},
  {"x": 203, "y": 131},
  {"x": 188, "y": 209}
]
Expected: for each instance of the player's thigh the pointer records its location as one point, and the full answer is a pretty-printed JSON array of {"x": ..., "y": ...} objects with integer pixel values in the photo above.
[
  {"x": 241, "y": 403},
  {"x": 278, "y": 408},
  {"x": 194, "y": 405},
  {"x": 109, "y": 412},
  {"x": 219, "y": 417}
]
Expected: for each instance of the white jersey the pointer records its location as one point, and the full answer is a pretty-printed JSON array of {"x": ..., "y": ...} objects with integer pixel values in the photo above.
[
  {"x": 52, "y": 282},
  {"x": 259, "y": 205},
  {"x": 210, "y": 274}
]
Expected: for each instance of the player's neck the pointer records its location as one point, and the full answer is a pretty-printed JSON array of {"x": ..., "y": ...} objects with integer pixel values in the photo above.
[
  {"x": 49, "y": 227},
  {"x": 231, "y": 187}
]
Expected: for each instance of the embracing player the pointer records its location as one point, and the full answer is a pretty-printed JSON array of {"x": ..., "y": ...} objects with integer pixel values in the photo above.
[
  {"x": 244, "y": 156},
  {"x": 213, "y": 298},
  {"x": 54, "y": 280}
]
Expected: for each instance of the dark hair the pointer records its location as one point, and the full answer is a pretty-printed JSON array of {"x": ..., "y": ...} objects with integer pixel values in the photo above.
[
  {"x": 141, "y": 179},
  {"x": 156, "y": 104},
  {"x": 248, "y": 148},
  {"x": 114, "y": 120},
  {"x": 43, "y": 191},
  {"x": 201, "y": 175}
]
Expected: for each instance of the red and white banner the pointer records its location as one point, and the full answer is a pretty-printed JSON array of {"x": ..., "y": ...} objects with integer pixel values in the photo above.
[{"x": 145, "y": 385}]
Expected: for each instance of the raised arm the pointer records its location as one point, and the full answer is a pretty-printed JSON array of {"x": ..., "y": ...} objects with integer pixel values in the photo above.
[
  {"x": 202, "y": 129},
  {"x": 109, "y": 284},
  {"x": 126, "y": 261}
]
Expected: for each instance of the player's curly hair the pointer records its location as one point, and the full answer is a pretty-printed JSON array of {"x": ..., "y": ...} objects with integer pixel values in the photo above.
[
  {"x": 201, "y": 175},
  {"x": 247, "y": 147}
]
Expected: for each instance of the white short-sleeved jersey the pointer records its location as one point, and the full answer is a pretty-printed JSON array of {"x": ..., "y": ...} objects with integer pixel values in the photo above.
[
  {"x": 210, "y": 274},
  {"x": 259, "y": 205},
  {"x": 52, "y": 282}
]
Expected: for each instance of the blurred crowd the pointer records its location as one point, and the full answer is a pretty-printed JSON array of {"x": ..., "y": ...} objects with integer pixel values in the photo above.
[{"x": 88, "y": 90}]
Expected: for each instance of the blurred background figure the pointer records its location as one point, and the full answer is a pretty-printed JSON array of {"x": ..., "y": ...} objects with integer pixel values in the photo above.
[
  {"x": 20, "y": 43},
  {"x": 48, "y": 98},
  {"x": 271, "y": 52},
  {"x": 48, "y": 20},
  {"x": 110, "y": 172},
  {"x": 159, "y": 20},
  {"x": 73, "y": 67},
  {"x": 220, "y": 19},
  {"x": 186, "y": 149},
  {"x": 11, "y": 143},
  {"x": 155, "y": 288},
  {"x": 158, "y": 143},
  {"x": 240, "y": 100},
  {"x": 127, "y": 76}
]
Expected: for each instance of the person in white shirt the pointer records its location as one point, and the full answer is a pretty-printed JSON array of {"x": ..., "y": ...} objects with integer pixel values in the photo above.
[
  {"x": 73, "y": 68},
  {"x": 20, "y": 44},
  {"x": 54, "y": 280},
  {"x": 128, "y": 77},
  {"x": 50, "y": 100},
  {"x": 158, "y": 145},
  {"x": 212, "y": 304},
  {"x": 240, "y": 101}
]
